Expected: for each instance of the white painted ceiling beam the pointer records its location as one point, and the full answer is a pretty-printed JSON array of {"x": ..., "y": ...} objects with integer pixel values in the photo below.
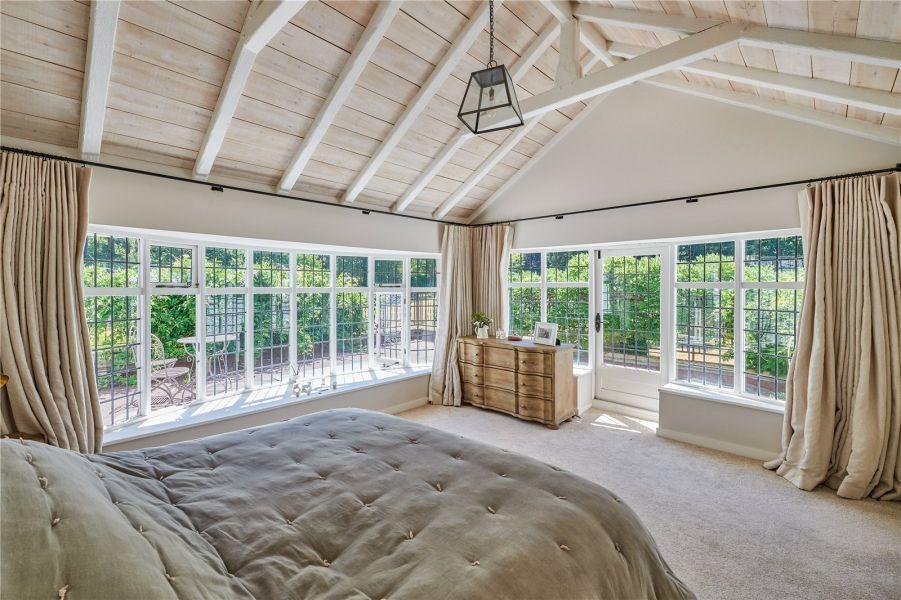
[
  {"x": 264, "y": 20},
  {"x": 854, "y": 127},
  {"x": 98, "y": 66},
  {"x": 569, "y": 68},
  {"x": 437, "y": 78},
  {"x": 636, "y": 19},
  {"x": 874, "y": 52},
  {"x": 656, "y": 62},
  {"x": 590, "y": 37},
  {"x": 353, "y": 68},
  {"x": 821, "y": 89},
  {"x": 871, "y": 52},
  {"x": 519, "y": 69},
  {"x": 542, "y": 152},
  {"x": 500, "y": 152},
  {"x": 597, "y": 45}
]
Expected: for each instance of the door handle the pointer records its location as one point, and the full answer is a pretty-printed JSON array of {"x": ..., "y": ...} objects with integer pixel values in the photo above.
[{"x": 597, "y": 322}]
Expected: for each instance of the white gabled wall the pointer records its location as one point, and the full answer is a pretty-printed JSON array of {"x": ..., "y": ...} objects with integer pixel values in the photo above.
[{"x": 644, "y": 143}]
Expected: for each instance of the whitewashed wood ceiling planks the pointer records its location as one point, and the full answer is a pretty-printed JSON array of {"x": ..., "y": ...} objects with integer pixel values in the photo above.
[{"x": 171, "y": 59}]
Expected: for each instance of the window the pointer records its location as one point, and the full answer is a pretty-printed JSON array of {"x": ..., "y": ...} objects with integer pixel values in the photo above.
[
  {"x": 705, "y": 314},
  {"x": 314, "y": 277},
  {"x": 631, "y": 288},
  {"x": 271, "y": 269},
  {"x": 164, "y": 316},
  {"x": 524, "y": 295},
  {"x": 772, "y": 282},
  {"x": 225, "y": 343},
  {"x": 171, "y": 266},
  {"x": 353, "y": 331},
  {"x": 271, "y": 333},
  {"x": 225, "y": 308},
  {"x": 551, "y": 287},
  {"x": 113, "y": 313},
  {"x": 423, "y": 309},
  {"x": 737, "y": 309},
  {"x": 225, "y": 268},
  {"x": 568, "y": 299}
]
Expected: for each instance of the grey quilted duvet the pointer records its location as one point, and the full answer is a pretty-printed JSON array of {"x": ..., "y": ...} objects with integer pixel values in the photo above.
[{"x": 338, "y": 504}]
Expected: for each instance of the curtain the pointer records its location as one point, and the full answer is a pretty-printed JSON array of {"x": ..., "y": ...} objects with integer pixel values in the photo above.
[
  {"x": 843, "y": 402},
  {"x": 473, "y": 267},
  {"x": 44, "y": 342},
  {"x": 490, "y": 253}
]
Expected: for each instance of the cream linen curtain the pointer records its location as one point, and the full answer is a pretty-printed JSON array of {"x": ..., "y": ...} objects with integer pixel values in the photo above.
[
  {"x": 473, "y": 267},
  {"x": 44, "y": 343},
  {"x": 843, "y": 402}
]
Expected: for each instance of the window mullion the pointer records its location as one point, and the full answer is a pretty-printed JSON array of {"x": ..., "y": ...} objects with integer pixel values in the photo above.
[
  {"x": 145, "y": 329},
  {"x": 248, "y": 320},
  {"x": 407, "y": 306},
  {"x": 200, "y": 324},
  {"x": 544, "y": 287},
  {"x": 333, "y": 317},
  {"x": 292, "y": 303},
  {"x": 738, "y": 325}
]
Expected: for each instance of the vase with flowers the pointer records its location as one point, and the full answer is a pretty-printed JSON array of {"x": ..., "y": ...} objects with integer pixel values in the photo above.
[{"x": 481, "y": 322}]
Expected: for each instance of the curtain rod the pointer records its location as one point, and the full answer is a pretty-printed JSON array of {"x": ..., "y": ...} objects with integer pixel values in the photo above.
[
  {"x": 221, "y": 186},
  {"x": 694, "y": 197}
]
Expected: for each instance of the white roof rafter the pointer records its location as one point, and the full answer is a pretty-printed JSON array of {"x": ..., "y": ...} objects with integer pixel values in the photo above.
[
  {"x": 431, "y": 86},
  {"x": 855, "y": 127},
  {"x": 353, "y": 68},
  {"x": 98, "y": 67},
  {"x": 822, "y": 89},
  {"x": 264, "y": 20}
]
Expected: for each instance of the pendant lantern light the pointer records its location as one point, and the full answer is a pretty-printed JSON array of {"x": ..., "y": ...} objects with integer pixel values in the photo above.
[{"x": 490, "y": 102}]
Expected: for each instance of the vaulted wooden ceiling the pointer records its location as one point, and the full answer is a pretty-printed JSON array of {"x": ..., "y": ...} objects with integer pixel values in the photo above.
[{"x": 315, "y": 87}]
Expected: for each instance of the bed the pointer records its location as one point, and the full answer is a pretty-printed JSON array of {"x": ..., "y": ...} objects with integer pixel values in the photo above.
[{"x": 337, "y": 504}]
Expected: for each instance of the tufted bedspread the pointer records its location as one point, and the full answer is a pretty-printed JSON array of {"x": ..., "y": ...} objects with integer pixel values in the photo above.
[{"x": 338, "y": 504}]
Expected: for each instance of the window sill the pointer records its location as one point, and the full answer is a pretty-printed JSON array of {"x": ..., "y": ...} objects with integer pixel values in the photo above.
[
  {"x": 248, "y": 402},
  {"x": 722, "y": 397}
]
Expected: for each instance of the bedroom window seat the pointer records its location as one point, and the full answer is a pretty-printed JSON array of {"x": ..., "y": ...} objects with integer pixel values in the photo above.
[{"x": 257, "y": 402}]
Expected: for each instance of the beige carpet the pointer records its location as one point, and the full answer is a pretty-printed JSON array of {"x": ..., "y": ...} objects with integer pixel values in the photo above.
[{"x": 727, "y": 527}]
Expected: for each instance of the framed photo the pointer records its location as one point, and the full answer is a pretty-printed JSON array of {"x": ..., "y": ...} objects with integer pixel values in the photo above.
[{"x": 545, "y": 333}]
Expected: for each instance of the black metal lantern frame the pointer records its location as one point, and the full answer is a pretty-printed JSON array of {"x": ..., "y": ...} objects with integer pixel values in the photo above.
[
  {"x": 490, "y": 102},
  {"x": 479, "y": 80}
]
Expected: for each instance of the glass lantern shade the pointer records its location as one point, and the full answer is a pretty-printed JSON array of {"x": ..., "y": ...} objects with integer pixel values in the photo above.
[{"x": 490, "y": 102}]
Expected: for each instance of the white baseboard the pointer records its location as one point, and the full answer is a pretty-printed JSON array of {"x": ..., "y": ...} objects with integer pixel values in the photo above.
[
  {"x": 399, "y": 408},
  {"x": 645, "y": 403},
  {"x": 625, "y": 409},
  {"x": 714, "y": 444}
]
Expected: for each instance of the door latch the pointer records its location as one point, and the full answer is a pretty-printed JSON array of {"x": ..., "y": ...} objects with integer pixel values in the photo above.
[{"x": 597, "y": 322}]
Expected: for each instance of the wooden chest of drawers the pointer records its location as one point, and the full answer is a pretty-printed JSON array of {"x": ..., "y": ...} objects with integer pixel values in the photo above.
[{"x": 524, "y": 379}]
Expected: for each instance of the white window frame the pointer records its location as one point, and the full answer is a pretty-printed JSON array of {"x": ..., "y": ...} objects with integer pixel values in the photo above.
[
  {"x": 739, "y": 286},
  {"x": 635, "y": 386},
  {"x": 411, "y": 289},
  {"x": 145, "y": 290},
  {"x": 544, "y": 285}
]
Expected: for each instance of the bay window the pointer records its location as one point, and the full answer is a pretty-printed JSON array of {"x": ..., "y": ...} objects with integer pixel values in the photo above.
[{"x": 166, "y": 313}]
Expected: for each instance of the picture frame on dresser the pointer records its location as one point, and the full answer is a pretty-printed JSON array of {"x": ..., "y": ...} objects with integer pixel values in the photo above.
[{"x": 545, "y": 333}]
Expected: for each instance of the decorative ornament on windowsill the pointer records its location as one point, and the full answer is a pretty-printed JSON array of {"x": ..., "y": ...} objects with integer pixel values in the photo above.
[
  {"x": 490, "y": 103},
  {"x": 480, "y": 323}
]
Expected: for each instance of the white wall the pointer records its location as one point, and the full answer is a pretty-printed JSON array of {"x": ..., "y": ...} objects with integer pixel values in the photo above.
[
  {"x": 644, "y": 143},
  {"x": 133, "y": 200},
  {"x": 752, "y": 429}
]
